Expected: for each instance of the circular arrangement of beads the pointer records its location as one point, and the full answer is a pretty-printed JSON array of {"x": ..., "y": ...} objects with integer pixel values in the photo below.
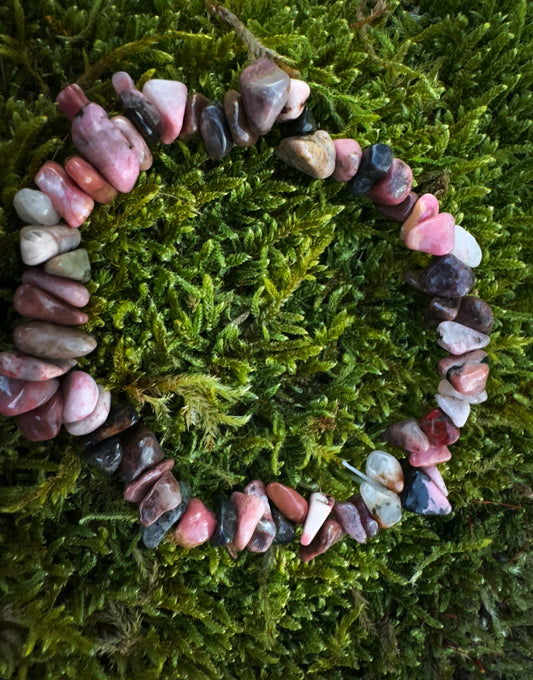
[{"x": 38, "y": 387}]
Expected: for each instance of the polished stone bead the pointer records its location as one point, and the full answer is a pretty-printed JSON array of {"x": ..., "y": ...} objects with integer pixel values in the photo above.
[
  {"x": 432, "y": 471},
  {"x": 34, "y": 207},
  {"x": 257, "y": 488},
  {"x": 72, "y": 100},
  {"x": 44, "y": 422},
  {"x": 466, "y": 247},
  {"x": 170, "y": 99},
  {"x": 50, "y": 341},
  {"x": 164, "y": 495},
  {"x": 434, "y": 235},
  {"x": 441, "y": 309},
  {"x": 74, "y": 265},
  {"x": 288, "y": 501},
  {"x": 426, "y": 207},
  {"x": 121, "y": 417},
  {"x": 320, "y": 506},
  {"x": 65, "y": 289},
  {"x": 350, "y": 520},
  {"x": 385, "y": 469},
  {"x": 215, "y": 131},
  {"x": 94, "y": 419},
  {"x": 457, "y": 409},
  {"x": 394, "y": 188},
  {"x": 348, "y": 155},
  {"x": 376, "y": 161},
  {"x": 285, "y": 529},
  {"x": 137, "y": 489},
  {"x": 369, "y": 523},
  {"x": 68, "y": 199},
  {"x": 433, "y": 456},
  {"x": 423, "y": 496},
  {"x": 438, "y": 428},
  {"x": 407, "y": 435},
  {"x": 191, "y": 121},
  {"x": 240, "y": 129},
  {"x": 105, "y": 456},
  {"x": 400, "y": 212},
  {"x": 265, "y": 89},
  {"x": 141, "y": 451},
  {"x": 196, "y": 526},
  {"x": 383, "y": 504},
  {"x": 80, "y": 396},
  {"x": 446, "y": 276},
  {"x": 227, "y": 522},
  {"x": 469, "y": 379},
  {"x": 154, "y": 534},
  {"x": 313, "y": 154},
  {"x": 136, "y": 141},
  {"x": 299, "y": 92},
  {"x": 450, "y": 365},
  {"x": 446, "y": 388},
  {"x": 90, "y": 180},
  {"x": 305, "y": 124},
  {"x": 15, "y": 364},
  {"x": 35, "y": 303},
  {"x": 265, "y": 530},
  {"x": 476, "y": 314},
  {"x": 459, "y": 339},
  {"x": 137, "y": 108},
  {"x": 329, "y": 533},
  {"x": 38, "y": 244},
  {"x": 103, "y": 145},
  {"x": 250, "y": 509}
]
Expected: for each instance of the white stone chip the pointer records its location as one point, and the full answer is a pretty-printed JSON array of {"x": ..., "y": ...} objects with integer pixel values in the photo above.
[
  {"x": 466, "y": 247},
  {"x": 457, "y": 409},
  {"x": 458, "y": 339},
  {"x": 447, "y": 390}
]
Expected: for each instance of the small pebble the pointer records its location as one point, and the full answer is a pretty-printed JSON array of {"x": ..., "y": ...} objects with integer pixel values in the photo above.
[
  {"x": 38, "y": 244},
  {"x": 34, "y": 207},
  {"x": 80, "y": 396},
  {"x": 43, "y": 423},
  {"x": 74, "y": 265},
  {"x": 265, "y": 89},
  {"x": 313, "y": 154},
  {"x": 73, "y": 204},
  {"x": 51, "y": 341}
]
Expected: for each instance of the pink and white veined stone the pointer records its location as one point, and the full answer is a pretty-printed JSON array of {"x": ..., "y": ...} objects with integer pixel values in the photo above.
[
  {"x": 80, "y": 396},
  {"x": 170, "y": 99},
  {"x": 433, "y": 456},
  {"x": 34, "y": 207},
  {"x": 23, "y": 366},
  {"x": 20, "y": 396},
  {"x": 67, "y": 198},
  {"x": 299, "y": 92},
  {"x": 466, "y": 248},
  {"x": 432, "y": 471},
  {"x": 459, "y": 339},
  {"x": 136, "y": 140},
  {"x": 348, "y": 154},
  {"x": 94, "y": 419},
  {"x": 447, "y": 390}
]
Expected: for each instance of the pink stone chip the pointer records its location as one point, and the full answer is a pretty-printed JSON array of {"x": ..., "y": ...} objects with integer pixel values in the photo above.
[
  {"x": 25, "y": 367},
  {"x": 135, "y": 491},
  {"x": 329, "y": 533},
  {"x": 394, "y": 188},
  {"x": 196, "y": 525},
  {"x": 427, "y": 206},
  {"x": 170, "y": 99},
  {"x": 250, "y": 509},
  {"x": 165, "y": 495},
  {"x": 459, "y": 339},
  {"x": 94, "y": 419},
  {"x": 408, "y": 435},
  {"x": 471, "y": 380},
  {"x": 71, "y": 100},
  {"x": 67, "y": 198},
  {"x": 63, "y": 288},
  {"x": 42, "y": 423},
  {"x": 433, "y": 456},
  {"x": 348, "y": 156},
  {"x": 434, "y": 474},
  {"x": 299, "y": 92},
  {"x": 320, "y": 505},
  {"x": 136, "y": 141},
  {"x": 457, "y": 410},
  {"x": 38, "y": 244},
  {"x": 35, "y": 303},
  {"x": 264, "y": 88},
  {"x": 103, "y": 145},
  {"x": 90, "y": 180},
  {"x": 80, "y": 396},
  {"x": 20, "y": 396},
  {"x": 436, "y": 235}
]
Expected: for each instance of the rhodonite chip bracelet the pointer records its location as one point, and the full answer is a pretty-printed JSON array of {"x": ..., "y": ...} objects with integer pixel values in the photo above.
[{"x": 42, "y": 388}]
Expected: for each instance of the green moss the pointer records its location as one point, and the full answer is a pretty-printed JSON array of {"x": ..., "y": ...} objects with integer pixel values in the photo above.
[{"x": 259, "y": 321}]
